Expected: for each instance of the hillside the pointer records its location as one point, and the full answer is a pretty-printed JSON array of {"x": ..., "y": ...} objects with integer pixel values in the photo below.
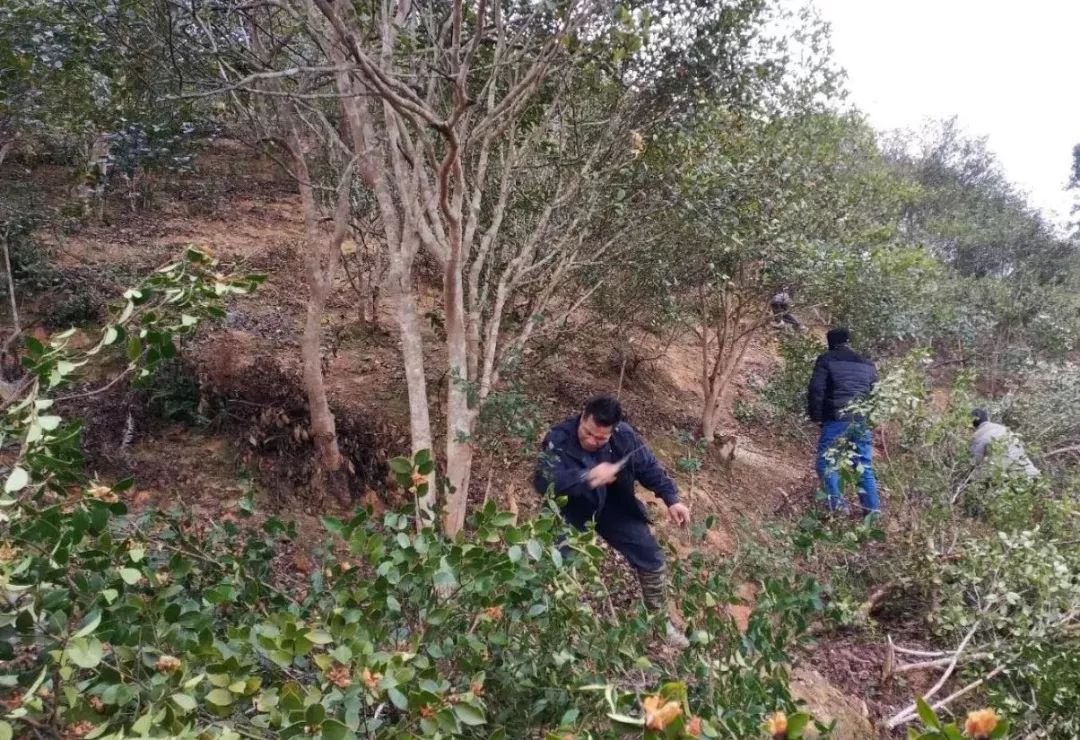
[
  {"x": 292, "y": 291},
  {"x": 249, "y": 369}
]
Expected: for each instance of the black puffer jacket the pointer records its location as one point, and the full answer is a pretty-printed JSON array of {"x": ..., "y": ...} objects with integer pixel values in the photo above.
[{"x": 840, "y": 377}]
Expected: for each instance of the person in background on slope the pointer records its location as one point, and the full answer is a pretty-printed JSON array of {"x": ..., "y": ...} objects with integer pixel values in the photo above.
[
  {"x": 594, "y": 459},
  {"x": 999, "y": 447},
  {"x": 840, "y": 377},
  {"x": 781, "y": 310}
]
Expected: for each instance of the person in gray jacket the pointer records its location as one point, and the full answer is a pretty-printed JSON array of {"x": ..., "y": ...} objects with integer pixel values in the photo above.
[{"x": 999, "y": 446}]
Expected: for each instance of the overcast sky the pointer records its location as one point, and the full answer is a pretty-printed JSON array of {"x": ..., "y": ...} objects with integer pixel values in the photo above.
[{"x": 1010, "y": 71}]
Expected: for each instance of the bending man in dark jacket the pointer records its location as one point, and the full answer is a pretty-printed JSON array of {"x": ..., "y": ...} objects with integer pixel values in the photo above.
[
  {"x": 840, "y": 377},
  {"x": 594, "y": 459}
]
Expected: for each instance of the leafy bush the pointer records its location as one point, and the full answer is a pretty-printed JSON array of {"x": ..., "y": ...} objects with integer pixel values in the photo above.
[
  {"x": 30, "y": 266},
  {"x": 172, "y": 393},
  {"x": 1044, "y": 407},
  {"x": 136, "y": 149},
  {"x": 1019, "y": 596},
  {"x": 782, "y": 398},
  {"x": 74, "y": 302},
  {"x": 509, "y": 421},
  {"x": 884, "y": 295},
  {"x": 988, "y": 558}
]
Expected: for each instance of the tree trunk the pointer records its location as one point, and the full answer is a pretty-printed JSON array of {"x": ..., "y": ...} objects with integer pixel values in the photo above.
[
  {"x": 16, "y": 327},
  {"x": 459, "y": 417},
  {"x": 321, "y": 256},
  {"x": 323, "y": 427},
  {"x": 710, "y": 416},
  {"x": 459, "y": 443},
  {"x": 412, "y": 354}
]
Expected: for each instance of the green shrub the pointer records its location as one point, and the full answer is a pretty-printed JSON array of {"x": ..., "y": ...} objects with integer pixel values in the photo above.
[
  {"x": 1019, "y": 596},
  {"x": 781, "y": 399}
]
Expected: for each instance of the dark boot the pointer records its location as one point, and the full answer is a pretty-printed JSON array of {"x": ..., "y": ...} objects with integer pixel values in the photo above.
[{"x": 654, "y": 595}]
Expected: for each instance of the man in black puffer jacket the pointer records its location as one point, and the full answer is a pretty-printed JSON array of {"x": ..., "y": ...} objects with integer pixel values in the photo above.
[{"x": 840, "y": 377}]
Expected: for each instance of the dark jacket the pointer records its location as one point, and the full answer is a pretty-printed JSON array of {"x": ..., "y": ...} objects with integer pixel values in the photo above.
[
  {"x": 840, "y": 377},
  {"x": 562, "y": 465}
]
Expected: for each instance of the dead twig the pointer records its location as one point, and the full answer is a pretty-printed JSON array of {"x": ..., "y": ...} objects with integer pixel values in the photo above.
[
  {"x": 953, "y": 696},
  {"x": 17, "y": 329},
  {"x": 909, "y": 712}
]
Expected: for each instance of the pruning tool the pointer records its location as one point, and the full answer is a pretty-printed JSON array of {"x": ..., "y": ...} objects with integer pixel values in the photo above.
[{"x": 619, "y": 464}]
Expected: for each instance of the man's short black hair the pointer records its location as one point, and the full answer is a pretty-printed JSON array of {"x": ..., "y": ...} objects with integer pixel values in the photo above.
[
  {"x": 604, "y": 410},
  {"x": 838, "y": 337},
  {"x": 978, "y": 417}
]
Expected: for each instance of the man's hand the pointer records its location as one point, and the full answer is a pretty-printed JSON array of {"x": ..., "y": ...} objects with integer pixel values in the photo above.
[
  {"x": 602, "y": 474},
  {"x": 680, "y": 514}
]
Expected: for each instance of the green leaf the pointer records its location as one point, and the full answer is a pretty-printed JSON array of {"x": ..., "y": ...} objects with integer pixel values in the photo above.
[
  {"x": 131, "y": 576},
  {"x": 220, "y": 697},
  {"x": 401, "y": 465},
  {"x": 333, "y": 525},
  {"x": 399, "y": 699},
  {"x": 134, "y": 349},
  {"x": 142, "y": 725},
  {"x": 62, "y": 370},
  {"x": 188, "y": 320},
  {"x": 515, "y": 553},
  {"x": 17, "y": 480},
  {"x": 624, "y": 719},
  {"x": 319, "y": 637},
  {"x": 100, "y": 731},
  {"x": 333, "y": 729},
  {"x": 1001, "y": 729},
  {"x": 111, "y": 335},
  {"x": 49, "y": 423},
  {"x": 535, "y": 550},
  {"x": 469, "y": 715},
  {"x": 85, "y": 653},
  {"x": 444, "y": 576},
  {"x": 90, "y": 624},
  {"x": 185, "y": 702},
  {"x": 796, "y": 723},
  {"x": 6, "y": 732},
  {"x": 315, "y": 714},
  {"x": 926, "y": 714}
]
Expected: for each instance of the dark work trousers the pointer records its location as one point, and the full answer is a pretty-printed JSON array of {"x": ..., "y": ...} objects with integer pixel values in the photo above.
[
  {"x": 781, "y": 314},
  {"x": 628, "y": 533}
]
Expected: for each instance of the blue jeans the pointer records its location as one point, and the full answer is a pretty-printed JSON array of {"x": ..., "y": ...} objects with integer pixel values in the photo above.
[{"x": 859, "y": 435}]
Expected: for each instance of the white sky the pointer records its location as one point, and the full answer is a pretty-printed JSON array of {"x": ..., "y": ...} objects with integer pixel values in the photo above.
[{"x": 1009, "y": 70}]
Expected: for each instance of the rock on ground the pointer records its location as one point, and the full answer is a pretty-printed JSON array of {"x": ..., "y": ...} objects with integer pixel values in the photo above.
[{"x": 827, "y": 703}]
